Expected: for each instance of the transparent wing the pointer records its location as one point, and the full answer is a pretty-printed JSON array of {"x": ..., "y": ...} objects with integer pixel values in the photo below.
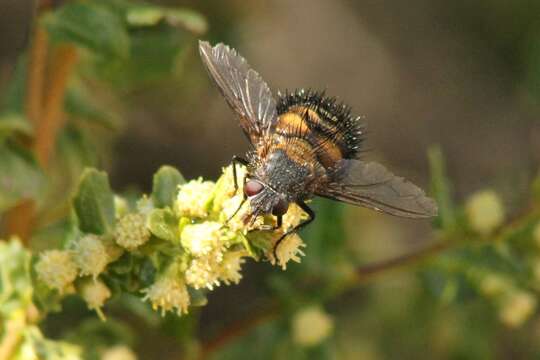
[
  {"x": 245, "y": 91},
  {"x": 372, "y": 185}
]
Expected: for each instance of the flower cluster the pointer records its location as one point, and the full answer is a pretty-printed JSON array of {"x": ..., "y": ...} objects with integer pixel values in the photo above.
[{"x": 195, "y": 240}]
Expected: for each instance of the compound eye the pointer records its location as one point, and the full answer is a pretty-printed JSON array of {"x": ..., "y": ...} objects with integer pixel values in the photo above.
[
  {"x": 252, "y": 188},
  {"x": 280, "y": 208}
]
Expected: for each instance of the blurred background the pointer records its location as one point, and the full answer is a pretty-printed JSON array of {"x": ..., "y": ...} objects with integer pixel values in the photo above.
[{"x": 459, "y": 74}]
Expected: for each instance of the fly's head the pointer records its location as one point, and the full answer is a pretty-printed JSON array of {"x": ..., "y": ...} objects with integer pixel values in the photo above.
[{"x": 264, "y": 200}]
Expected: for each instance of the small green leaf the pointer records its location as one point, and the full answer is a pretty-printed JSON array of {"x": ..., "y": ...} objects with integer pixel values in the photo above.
[
  {"x": 441, "y": 188},
  {"x": 94, "y": 203},
  {"x": 163, "y": 224},
  {"x": 147, "y": 15},
  {"x": 13, "y": 122},
  {"x": 91, "y": 26},
  {"x": 165, "y": 184},
  {"x": 20, "y": 176}
]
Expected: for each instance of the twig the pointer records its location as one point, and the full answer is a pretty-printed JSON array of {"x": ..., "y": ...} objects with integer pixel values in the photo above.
[
  {"x": 65, "y": 58},
  {"x": 237, "y": 329}
]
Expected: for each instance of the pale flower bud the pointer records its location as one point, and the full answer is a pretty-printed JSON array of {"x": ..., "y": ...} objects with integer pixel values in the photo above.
[
  {"x": 311, "y": 326},
  {"x": 90, "y": 255},
  {"x": 119, "y": 352},
  {"x": 169, "y": 293},
  {"x": 288, "y": 249},
  {"x": 204, "y": 271},
  {"x": 517, "y": 308},
  {"x": 95, "y": 293},
  {"x": 56, "y": 269},
  {"x": 131, "y": 231},
  {"x": 485, "y": 211},
  {"x": 494, "y": 284},
  {"x": 201, "y": 239},
  {"x": 194, "y": 198},
  {"x": 231, "y": 267}
]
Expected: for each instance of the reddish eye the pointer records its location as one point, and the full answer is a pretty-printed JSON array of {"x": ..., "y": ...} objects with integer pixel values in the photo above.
[
  {"x": 280, "y": 208},
  {"x": 252, "y": 188}
]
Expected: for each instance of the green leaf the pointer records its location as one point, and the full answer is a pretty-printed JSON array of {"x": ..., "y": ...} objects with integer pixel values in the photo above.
[
  {"x": 79, "y": 104},
  {"x": 91, "y": 26},
  {"x": 94, "y": 203},
  {"x": 165, "y": 185},
  {"x": 164, "y": 224},
  {"x": 441, "y": 188},
  {"x": 20, "y": 176},
  {"x": 14, "y": 122},
  {"x": 147, "y": 15}
]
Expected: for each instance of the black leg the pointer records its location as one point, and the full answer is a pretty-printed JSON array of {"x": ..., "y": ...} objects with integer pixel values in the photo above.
[
  {"x": 311, "y": 215},
  {"x": 237, "y": 160}
]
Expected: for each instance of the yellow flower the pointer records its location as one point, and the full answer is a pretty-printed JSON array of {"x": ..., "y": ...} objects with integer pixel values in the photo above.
[
  {"x": 288, "y": 249},
  {"x": 293, "y": 217},
  {"x": 231, "y": 267},
  {"x": 131, "y": 231},
  {"x": 194, "y": 198},
  {"x": 119, "y": 352},
  {"x": 485, "y": 211},
  {"x": 90, "y": 255},
  {"x": 494, "y": 284},
  {"x": 517, "y": 308},
  {"x": 204, "y": 271},
  {"x": 201, "y": 239},
  {"x": 169, "y": 293},
  {"x": 311, "y": 325},
  {"x": 56, "y": 269},
  {"x": 95, "y": 293},
  {"x": 224, "y": 188}
]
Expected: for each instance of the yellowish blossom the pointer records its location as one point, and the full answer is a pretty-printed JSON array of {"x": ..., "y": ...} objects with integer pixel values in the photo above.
[
  {"x": 204, "y": 271},
  {"x": 119, "y": 352},
  {"x": 517, "y": 308},
  {"x": 288, "y": 249},
  {"x": 90, "y": 255},
  {"x": 231, "y": 267},
  {"x": 293, "y": 217},
  {"x": 194, "y": 198},
  {"x": 56, "y": 269},
  {"x": 201, "y": 239},
  {"x": 131, "y": 231},
  {"x": 225, "y": 189},
  {"x": 95, "y": 293},
  {"x": 311, "y": 326},
  {"x": 169, "y": 293},
  {"x": 495, "y": 284},
  {"x": 485, "y": 211}
]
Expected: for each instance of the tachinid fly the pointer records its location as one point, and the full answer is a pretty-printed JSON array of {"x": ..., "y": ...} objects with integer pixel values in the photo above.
[{"x": 304, "y": 144}]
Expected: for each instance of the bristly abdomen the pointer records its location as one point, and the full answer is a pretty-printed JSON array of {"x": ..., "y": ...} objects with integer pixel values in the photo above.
[{"x": 338, "y": 123}]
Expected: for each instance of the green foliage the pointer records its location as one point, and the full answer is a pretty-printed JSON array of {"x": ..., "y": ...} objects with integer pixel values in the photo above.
[
  {"x": 165, "y": 185},
  {"x": 90, "y": 26},
  {"x": 94, "y": 203}
]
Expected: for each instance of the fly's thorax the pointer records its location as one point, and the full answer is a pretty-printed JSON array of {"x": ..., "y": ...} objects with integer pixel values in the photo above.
[{"x": 284, "y": 175}]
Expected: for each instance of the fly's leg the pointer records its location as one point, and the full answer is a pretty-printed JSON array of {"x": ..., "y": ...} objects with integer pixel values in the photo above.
[
  {"x": 311, "y": 215},
  {"x": 235, "y": 161}
]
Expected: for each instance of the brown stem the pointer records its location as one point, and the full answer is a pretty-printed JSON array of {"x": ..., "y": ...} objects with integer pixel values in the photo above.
[
  {"x": 237, "y": 329},
  {"x": 52, "y": 120}
]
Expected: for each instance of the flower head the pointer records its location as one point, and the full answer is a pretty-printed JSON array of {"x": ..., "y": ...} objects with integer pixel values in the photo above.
[
  {"x": 169, "y": 293},
  {"x": 90, "y": 255},
  {"x": 56, "y": 269},
  {"x": 517, "y": 308},
  {"x": 201, "y": 239},
  {"x": 288, "y": 249},
  {"x": 119, "y": 352},
  {"x": 131, "y": 231},
  {"x": 194, "y": 198},
  {"x": 231, "y": 267},
  {"x": 204, "y": 271},
  {"x": 95, "y": 293},
  {"x": 311, "y": 325},
  {"x": 485, "y": 211},
  {"x": 225, "y": 189},
  {"x": 293, "y": 217}
]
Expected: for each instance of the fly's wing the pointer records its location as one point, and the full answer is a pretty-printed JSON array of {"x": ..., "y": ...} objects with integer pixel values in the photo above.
[
  {"x": 245, "y": 91},
  {"x": 371, "y": 185}
]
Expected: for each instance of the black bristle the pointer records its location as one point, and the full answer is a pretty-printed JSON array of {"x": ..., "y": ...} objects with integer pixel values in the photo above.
[{"x": 337, "y": 114}]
